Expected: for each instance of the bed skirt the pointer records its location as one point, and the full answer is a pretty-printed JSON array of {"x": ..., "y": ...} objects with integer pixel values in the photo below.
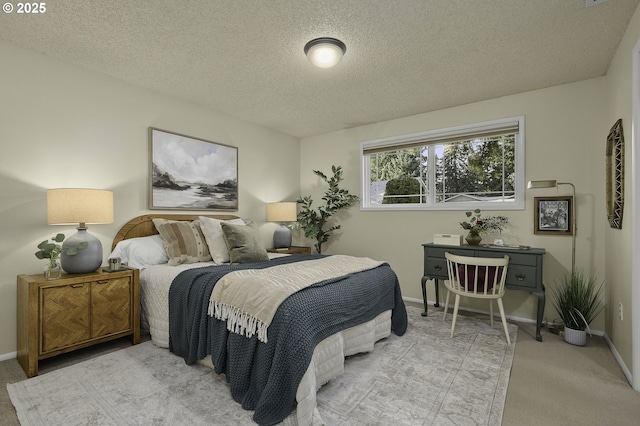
[{"x": 326, "y": 363}]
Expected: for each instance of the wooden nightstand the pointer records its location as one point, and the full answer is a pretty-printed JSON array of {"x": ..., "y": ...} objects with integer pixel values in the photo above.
[
  {"x": 75, "y": 311},
  {"x": 291, "y": 250}
]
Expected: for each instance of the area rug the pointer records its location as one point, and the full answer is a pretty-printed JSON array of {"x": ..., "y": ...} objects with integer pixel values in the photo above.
[{"x": 422, "y": 378}]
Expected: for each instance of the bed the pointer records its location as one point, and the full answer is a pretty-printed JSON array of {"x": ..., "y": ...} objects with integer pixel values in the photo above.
[{"x": 278, "y": 372}]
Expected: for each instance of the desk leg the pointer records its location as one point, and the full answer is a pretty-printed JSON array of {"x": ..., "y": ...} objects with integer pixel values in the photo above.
[
  {"x": 424, "y": 295},
  {"x": 541, "y": 302}
]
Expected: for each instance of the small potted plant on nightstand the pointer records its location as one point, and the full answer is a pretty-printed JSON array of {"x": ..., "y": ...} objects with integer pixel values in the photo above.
[
  {"x": 577, "y": 299},
  {"x": 51, "y": 250}
]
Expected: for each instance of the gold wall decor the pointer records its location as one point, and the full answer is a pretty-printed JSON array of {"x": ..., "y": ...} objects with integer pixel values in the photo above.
[{"x": 615, "y": 175}]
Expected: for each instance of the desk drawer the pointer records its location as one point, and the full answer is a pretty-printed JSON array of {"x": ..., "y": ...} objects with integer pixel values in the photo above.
[
  {"x": 515, "y": 258},
  {"x": 437, "y": 252},
  {"x": 436, "y": 268},
  {"x": 522, "y": 276},
  {"x": 435, "y": 264}
]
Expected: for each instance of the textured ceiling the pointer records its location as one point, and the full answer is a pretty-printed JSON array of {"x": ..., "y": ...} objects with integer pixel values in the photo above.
[{"x": 245, "y": 57}]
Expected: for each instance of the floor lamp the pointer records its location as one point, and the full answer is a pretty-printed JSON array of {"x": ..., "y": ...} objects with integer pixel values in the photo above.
[{"x": 539, "y": 184}]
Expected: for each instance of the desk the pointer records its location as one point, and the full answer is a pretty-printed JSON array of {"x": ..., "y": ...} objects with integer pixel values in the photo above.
[{"x": 524, "y": 272}]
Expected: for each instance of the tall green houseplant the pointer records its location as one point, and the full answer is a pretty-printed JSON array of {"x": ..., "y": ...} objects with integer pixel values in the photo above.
[
  {"x": 314, "y": 222},
  {"x": 578, "y": 299}
]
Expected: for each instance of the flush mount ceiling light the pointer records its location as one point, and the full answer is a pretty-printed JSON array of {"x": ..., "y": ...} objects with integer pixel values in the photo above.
[{"x": 325, "y": 52}]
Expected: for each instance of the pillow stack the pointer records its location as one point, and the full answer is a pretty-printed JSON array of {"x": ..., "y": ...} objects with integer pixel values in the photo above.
[{"x": 205, "y": 239}]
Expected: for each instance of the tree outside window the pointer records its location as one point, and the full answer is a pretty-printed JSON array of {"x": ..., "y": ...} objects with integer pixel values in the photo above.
[{"x": 447, "y": 171}]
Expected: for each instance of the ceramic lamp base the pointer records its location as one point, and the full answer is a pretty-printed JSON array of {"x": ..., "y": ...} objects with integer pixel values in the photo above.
[
  {"x": 282, "y": 237},
  {"x": 87, "y": 259}
]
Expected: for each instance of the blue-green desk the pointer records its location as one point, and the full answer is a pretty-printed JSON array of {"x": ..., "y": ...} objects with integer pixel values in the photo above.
[{"x": 524, "y": 272}]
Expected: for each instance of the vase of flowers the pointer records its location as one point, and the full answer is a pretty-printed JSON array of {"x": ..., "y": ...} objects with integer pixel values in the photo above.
[
  {"x": 53, "y": 269},
  {"x": 477, "y": 225},
  {"x": 473, "y": 238}
]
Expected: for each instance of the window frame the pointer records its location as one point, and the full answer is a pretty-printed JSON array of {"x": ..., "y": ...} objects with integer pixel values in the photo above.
[{"x": 431, "y": 137}]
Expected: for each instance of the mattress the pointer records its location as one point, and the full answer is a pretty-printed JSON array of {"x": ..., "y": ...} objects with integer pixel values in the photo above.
[{"x": 328, "y": 357}]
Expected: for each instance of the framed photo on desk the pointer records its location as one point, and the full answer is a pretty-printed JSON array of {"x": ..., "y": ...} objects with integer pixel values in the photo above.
[{"x": 553, "y": 215}]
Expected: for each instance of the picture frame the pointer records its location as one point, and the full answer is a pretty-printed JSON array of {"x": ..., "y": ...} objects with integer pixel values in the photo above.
[
  {"x": 553, "y": 215},
  {"x": 188, "y": 173}
]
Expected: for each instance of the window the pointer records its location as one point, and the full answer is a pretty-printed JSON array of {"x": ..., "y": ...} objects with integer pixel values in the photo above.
[{"x": 461, "y": 168}]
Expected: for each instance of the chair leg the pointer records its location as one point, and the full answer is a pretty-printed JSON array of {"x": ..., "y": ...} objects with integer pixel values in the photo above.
[
  {"x": 504, "y": 320},
  {"x": 446, "y": 306},
  {"x": 491, "y": 311},
  {"x": 455, "y": 313}
]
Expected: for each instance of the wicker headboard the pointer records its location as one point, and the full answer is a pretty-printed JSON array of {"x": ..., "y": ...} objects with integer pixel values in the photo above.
[{"x": 142, "y": 226}]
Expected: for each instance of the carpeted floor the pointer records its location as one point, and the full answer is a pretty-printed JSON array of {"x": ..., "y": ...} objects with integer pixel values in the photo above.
[
  {"x": 423, "y": 377},
  {"x": 552, "y": 383}
]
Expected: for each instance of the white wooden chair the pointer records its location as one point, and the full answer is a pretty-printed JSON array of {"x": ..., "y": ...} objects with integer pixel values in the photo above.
[{"x": 477, "y": 277}]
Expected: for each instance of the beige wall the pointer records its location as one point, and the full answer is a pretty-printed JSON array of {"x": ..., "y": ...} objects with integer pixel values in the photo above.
[
  {"x": 64, "y": 126},
  {"x": 618, "y": 242},
  {"x": 564, "y": 141},
  {"x": 61, "y": 125}
]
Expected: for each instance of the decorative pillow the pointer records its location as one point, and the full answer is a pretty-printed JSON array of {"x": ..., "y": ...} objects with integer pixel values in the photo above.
[
  {"x": 183, "y": 241},
  {"x": 244, "y": 243},
  {"x": 141, "y": 252},
  {"x": 215, "y": 240}
]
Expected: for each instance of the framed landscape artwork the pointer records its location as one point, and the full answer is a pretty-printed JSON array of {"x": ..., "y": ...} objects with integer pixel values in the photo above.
[
  {"x": 553, "y": 215},
  {"x": 188, "y": 173}
]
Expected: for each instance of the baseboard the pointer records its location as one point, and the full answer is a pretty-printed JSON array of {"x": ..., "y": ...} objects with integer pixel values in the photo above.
[
  {"x": 10, "y": 355},
  {"x": 619, "y": 360},
  {"x": 495, "y": 314}
]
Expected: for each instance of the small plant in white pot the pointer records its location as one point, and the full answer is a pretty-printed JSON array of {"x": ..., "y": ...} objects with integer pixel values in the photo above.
[
  {"x": 578, "y": 300},
  {"x": 52, "y": 251}
]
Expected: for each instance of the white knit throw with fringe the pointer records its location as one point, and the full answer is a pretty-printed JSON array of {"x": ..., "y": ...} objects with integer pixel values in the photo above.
[{"x": 248, "y": 299}]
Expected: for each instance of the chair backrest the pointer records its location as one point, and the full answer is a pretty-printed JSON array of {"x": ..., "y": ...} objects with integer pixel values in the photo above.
[{"x": 477, "y": 276}]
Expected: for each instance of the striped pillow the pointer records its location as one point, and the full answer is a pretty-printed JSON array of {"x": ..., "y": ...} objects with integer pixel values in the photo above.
[{"x": 183, "y": 241}]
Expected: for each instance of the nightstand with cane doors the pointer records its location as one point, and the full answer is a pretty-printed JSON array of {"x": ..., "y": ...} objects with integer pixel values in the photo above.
[{"x": 75, "y": 311}]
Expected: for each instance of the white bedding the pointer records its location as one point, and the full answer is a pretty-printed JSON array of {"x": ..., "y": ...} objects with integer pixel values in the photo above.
[{"x": 328, "y": 358}]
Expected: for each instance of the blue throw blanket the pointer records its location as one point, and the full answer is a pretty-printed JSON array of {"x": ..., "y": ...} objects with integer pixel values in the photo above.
[{"x": 264, "y": 376}]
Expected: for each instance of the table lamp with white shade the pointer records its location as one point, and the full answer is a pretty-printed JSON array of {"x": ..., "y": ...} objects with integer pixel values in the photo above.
[
  {"x": 282, "y": 212},
  {"x": 68, "y": 206}
]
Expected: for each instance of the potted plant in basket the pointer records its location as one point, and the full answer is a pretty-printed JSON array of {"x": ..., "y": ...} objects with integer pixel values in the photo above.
[
  {"x": 476, "y": 225},
  {"x": 578, "y": 300}
]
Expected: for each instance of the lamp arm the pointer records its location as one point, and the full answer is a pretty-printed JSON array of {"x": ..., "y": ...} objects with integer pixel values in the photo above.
[{"x": 573, "y": 224}]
